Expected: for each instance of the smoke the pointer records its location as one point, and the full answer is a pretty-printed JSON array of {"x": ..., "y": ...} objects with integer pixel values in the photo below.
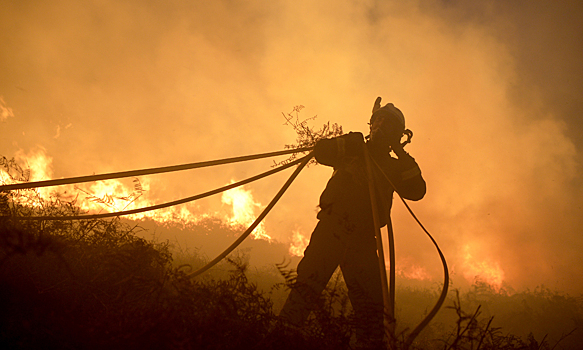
[{"x": 490, "y": 90}]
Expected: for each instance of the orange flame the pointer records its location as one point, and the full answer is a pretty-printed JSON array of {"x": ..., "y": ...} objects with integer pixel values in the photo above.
[
  {"x": 412, "y": 272},
  {"x": 39, "y": 163},
  {"x": 487, "y": 271},
  {"x": 243, "y": 210},
  {"x": 298, "y": 244},
  {"x": 109, "y": 195},
  {"x": 38, "y": 168}
]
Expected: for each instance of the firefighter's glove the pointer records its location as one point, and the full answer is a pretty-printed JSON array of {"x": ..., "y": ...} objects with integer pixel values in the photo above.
[{"x": 398, "y": 149}]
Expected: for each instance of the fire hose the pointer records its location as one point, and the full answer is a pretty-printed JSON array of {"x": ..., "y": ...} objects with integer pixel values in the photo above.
[
  {"x": 388, "y": 295},
  {"x": 163, "y": 205},
  {"x": 131, "y": 173},
  {"x": 285, "y": 186}
]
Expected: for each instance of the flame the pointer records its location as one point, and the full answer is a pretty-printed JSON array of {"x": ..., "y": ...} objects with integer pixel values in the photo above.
[
  {"x": 412, "y": 272},
  {"x": 118, "y": 195},
  {"x": 487, "y": 271},
  {"x": 39, "y": 163},
  {"x": 101, "y": 196},
  {"x": 39, "y": 168},
  {"x": 108, "y": 194},
  {"x": 298, "y": 244},
  {"x": 243, "y": 213},
  {"x": 115, "y": 195}
]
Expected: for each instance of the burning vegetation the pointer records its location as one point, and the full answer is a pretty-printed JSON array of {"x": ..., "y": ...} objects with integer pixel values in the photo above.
[{"x": 97, "y": 283}]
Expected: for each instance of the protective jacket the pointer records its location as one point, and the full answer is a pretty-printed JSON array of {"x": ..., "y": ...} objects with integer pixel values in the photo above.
[{"x": 347, "y": 197}]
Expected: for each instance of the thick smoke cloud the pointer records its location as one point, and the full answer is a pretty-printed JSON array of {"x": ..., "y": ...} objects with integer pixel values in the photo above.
[{"x": 491, "y": 91}]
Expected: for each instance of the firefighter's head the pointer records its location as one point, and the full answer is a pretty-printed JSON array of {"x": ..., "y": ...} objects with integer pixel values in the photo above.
[{"x": 387, "y": 124}]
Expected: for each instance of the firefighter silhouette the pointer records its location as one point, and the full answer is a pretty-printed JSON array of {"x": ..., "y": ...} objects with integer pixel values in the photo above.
[{"x": 345, "y": 233}]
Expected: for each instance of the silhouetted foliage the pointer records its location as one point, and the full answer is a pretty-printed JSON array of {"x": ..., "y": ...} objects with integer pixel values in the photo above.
[
  {"x": 307, "y": 136},
  {"x": 95, "y": 284}
]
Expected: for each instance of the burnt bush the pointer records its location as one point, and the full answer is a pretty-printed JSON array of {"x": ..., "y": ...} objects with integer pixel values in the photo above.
[{"x": 105, "y": 287}]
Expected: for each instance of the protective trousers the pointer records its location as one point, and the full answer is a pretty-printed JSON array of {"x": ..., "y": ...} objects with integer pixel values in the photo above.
[{"x": 353, "y": 248}]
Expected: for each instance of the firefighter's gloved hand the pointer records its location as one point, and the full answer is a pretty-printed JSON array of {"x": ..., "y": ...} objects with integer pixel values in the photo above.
[
  {"x": 398, "y": 149},
  {"x": 353, "y": 143}
]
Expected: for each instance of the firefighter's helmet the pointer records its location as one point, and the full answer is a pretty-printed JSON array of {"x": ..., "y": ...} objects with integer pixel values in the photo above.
[{"x": 387, "y": 111}]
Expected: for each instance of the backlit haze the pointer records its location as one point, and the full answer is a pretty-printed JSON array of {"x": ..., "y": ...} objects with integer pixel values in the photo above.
[{"x": 491, "y": 90}]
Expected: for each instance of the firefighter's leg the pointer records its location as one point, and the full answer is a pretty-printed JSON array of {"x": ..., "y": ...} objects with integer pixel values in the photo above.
[
  {"x": 321, "y": 258},
  {"x": 361, "y": 274}
]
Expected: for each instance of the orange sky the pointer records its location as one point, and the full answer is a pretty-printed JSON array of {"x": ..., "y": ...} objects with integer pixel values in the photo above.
[{"x": 492, "y": 92}]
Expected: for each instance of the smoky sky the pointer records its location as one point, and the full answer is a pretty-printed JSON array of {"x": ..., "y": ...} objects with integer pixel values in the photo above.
[{"x": 491, "y": 90}]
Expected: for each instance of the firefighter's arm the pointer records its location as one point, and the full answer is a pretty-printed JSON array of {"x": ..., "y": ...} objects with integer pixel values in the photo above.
[
  {"x": 336, "y": 151},
  {"x": 408, "y": 179}
]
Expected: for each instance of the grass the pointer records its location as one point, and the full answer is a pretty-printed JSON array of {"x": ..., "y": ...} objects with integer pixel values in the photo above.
[{"x": 97, "y": 284}]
